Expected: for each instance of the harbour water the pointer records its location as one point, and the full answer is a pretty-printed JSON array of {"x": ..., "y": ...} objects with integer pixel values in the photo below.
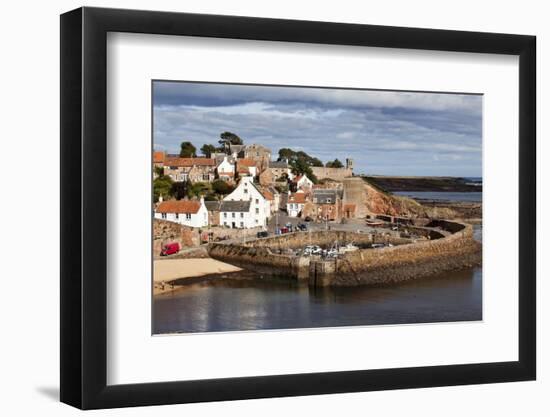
[{"x": 261, "y": 304}]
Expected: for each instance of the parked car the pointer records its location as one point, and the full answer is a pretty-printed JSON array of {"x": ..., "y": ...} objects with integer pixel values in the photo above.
[
  {"x": 284, "y": 230},
  {"x": 302, "y": 227},
  {"x": 170, "y": 249},
  {"x": 289, "y": 227},
  {"x": 263, "y": 233}
]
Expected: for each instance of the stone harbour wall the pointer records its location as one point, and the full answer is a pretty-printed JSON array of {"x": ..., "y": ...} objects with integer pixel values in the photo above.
[
  {"x": 402, "y": 263},
  {"x": 361, "y": 267}
]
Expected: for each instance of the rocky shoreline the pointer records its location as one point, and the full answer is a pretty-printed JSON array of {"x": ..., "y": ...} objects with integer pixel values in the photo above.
[{"x": 441, "y": 184}]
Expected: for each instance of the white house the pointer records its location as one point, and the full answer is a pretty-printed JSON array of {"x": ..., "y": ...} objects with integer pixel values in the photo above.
[
  {"x": 303, "y": 182},
  {"x": 248, "y": 191},
  {"x": 295, "y": 204},
  {"x": 237, "y": 214},
  {"x": 186, "y": 212},
  {"x": 226, "y": 170}
]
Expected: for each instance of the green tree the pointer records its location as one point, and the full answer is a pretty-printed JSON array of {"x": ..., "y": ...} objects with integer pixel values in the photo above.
[
  {"x": 180, "y": 189},
  {"x": 286, "y": 153},
  {"x": 187, "y": 150},
  {"x": 228, "y": 138},
  {"x": 198, "y": 188},
  {"x": 335, "y": 164},
  {"x": 159, "y": 171},
  {"x": 207, "y": 150},
  {"x": 162, "y": 186},
  {"x": 221, "y": 187},
  {"x": 300, "y": 166},
  {"x": 292, "y": 156}
]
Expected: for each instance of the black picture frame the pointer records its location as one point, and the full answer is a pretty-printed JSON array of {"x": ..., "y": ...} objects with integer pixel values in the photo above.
[{"x": 84, "y": 207}]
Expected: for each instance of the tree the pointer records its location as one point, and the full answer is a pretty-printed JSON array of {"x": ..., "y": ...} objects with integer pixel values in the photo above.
[
  {"x": 162, "y": 186},
  {"x": 180, "y": 189},
  {"x": 198, "y": 188},
  {"x": 228, "y": 138},
  {"x": 159, "y": 171},
  {"x": 207, "y": 150},
  {"x": 221, "y": 187},
  {"x": 335, "y": 164},
  {"x": 286, "y": 153},
  {"x": 291, "y": 156},
  {"x": 187, "y": 150}
]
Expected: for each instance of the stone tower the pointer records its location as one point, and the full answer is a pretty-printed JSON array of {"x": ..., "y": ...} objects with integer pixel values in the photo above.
[{"x": 349, "y": 163}]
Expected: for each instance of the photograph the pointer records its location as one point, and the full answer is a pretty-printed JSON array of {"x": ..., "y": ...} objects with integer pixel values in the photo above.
[{"x": 293, "y": 207}]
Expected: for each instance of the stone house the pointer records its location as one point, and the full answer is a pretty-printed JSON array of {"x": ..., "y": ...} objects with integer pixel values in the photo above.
[
  {"x": 192, "y": 213},
  {"x": 190, "y": 169},
  {"x": 326, "y": 204},
  {"x": 259, "y": 153},
  {"x": 247, "y": 166},
  {"x": 279, "y": 169},
  {"x": 158, "y": 159}
]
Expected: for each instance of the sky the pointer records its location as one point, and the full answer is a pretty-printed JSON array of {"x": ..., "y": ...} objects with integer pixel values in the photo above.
[{"x": 384, "y": 132}]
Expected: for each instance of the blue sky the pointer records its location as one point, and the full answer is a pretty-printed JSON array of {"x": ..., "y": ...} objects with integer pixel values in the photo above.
[{"x": 385, "y": 132}]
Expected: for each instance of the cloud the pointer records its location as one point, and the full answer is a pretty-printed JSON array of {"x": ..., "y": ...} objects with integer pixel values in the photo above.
[{"x": 395, "y": 133}]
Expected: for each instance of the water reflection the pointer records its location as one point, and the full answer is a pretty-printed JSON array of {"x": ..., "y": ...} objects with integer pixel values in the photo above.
[{"x": 250, "y": 305}]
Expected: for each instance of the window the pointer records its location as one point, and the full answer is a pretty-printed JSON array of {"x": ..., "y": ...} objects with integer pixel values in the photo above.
[
  {"x": 225, "y": 215},
  {"x": 242, "y": 215},
  {"x": 233, "y": 215},
  {"x": 188, "y": 216},
  {"x": 257, "y": 210},
  {"x": 177, "y": 215},
  {"x": 257, "y": 201},
  {"x": 206, "y": 177},
  {"x": 246, "y": 190},
  {"x": 256, "y": 221},
  {"x": 329, "y": 201},
  {"x": 163, "y": 215},
  {"x": 242, "y": 225}
]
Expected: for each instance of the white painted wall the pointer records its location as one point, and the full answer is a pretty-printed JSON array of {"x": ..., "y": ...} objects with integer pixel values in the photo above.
[
  {"x": 242, "y": 220},
  {"x": 304, "y": 182},
  {"x": 198, "y": 219},
  {"x": 247, "y": 191},
  {"x": 293, "y": 209},
  {"x": 226, "y": 167}
]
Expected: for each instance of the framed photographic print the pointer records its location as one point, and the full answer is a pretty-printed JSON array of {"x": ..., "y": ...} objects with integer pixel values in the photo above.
[{"x": 257, "y": 208}]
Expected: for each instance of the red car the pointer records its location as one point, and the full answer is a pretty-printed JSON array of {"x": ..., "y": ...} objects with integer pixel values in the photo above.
[{"x": 170, "y": 249}]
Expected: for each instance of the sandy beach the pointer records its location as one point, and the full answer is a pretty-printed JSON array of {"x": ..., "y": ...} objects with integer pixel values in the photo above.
[{"x": 171, "y": 269}]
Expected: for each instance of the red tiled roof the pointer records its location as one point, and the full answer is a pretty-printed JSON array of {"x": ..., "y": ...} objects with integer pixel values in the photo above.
[
  {"x": 247, "y": 162},
  {"x": 179, "y": 206},
  {"x": 267, "y": 195},
  {"x": 243, "y": 170},
  {"x": 189, "y": 162},
  {"x": 158, "y": 157},
  {"x": 299, "y": 198}
]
